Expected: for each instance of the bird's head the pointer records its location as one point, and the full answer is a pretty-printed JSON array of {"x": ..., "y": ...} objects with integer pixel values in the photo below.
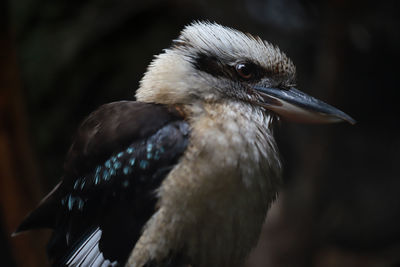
[{"x": 212, "y": 63}]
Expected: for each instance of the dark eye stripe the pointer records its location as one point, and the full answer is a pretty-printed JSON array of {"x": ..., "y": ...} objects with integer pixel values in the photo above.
[{"x": 210, "y": 64}]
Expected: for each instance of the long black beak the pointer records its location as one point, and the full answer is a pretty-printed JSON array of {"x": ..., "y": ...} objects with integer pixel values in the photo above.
[{"x": 298, "y": 106}]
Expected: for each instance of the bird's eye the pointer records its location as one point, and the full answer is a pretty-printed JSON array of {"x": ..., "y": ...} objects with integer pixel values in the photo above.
[{"x": 245, "y": 71}]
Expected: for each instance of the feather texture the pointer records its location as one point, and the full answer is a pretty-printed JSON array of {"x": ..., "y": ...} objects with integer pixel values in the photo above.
[{"x": 120, "y": 156}]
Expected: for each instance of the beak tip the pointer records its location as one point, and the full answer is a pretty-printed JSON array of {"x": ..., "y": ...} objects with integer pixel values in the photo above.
[
  {"x": 348, "y": 119},
  {"x": 353, "y": 122}
]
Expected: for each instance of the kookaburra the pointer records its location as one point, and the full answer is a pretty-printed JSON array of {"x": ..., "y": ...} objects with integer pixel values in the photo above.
[{"x": 184, "y": 176}]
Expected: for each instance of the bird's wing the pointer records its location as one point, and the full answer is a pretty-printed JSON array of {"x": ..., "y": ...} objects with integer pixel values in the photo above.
[{"x": 120, "y": 156}]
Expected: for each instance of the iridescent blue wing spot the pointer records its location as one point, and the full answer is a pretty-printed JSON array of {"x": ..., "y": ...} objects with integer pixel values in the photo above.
[
  {"x": 127, "y": 178},
  {"x": 120, "y": 155}
]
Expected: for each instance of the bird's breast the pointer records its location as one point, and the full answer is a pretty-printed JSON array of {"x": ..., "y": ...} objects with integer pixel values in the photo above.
[{"x": 213, "y": 203}]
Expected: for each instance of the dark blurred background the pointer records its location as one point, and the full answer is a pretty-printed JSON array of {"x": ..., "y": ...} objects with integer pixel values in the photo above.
[{"x": 340, "y": 205}]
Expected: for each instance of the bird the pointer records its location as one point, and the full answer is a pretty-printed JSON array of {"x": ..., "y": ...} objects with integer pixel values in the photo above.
[{"x": 185, "y": 174}]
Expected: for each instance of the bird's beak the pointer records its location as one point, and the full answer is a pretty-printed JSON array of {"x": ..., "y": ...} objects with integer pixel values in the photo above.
[{"x": 297, "y": 106}]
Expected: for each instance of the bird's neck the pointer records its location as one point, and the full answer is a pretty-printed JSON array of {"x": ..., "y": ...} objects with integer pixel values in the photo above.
[{"x": 221, "y": 188}]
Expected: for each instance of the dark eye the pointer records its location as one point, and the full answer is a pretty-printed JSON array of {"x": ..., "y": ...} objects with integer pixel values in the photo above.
[{"x": 245, "y": 71}]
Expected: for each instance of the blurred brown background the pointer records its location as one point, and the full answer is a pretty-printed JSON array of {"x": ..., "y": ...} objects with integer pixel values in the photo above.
[{"x": 340, "y": 205}]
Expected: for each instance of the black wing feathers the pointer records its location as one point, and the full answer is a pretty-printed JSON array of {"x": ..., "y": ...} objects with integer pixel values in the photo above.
[
  {"x": 120, "y": 156},
  {"x": 112, "y": 127},
  {"x": 123, "y": 189}
]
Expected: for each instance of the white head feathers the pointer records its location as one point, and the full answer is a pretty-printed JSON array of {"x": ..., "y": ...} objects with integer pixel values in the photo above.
[{"x": 228, "y": 43}]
